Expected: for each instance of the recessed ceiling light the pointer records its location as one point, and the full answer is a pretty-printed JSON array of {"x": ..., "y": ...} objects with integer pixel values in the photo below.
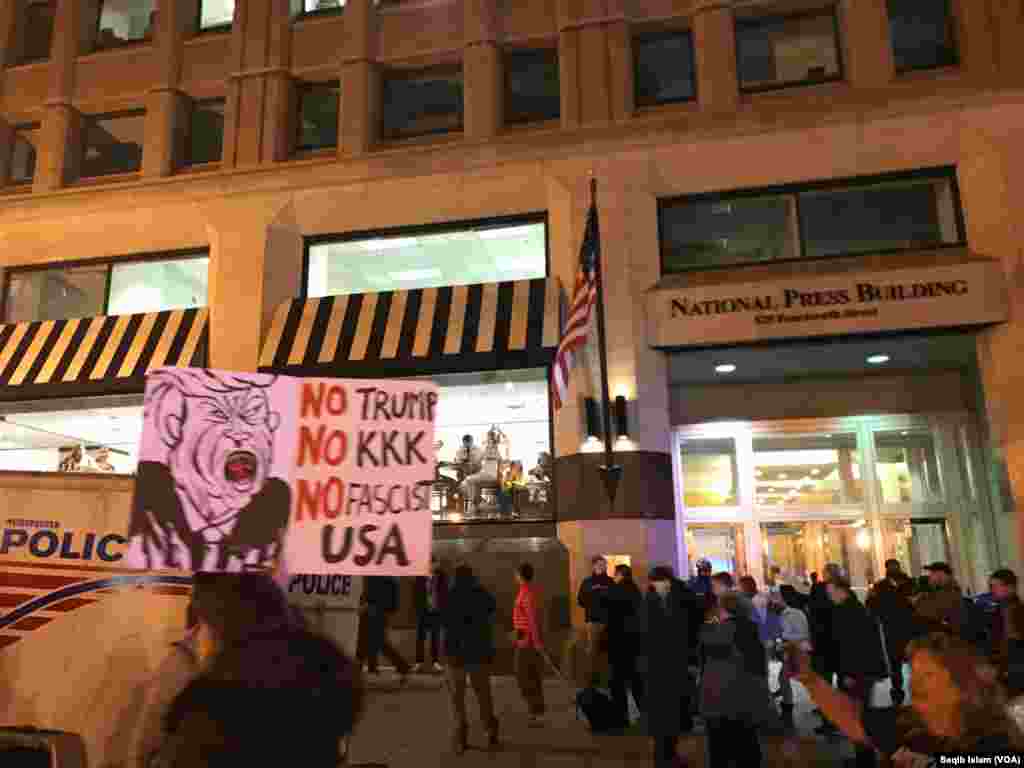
[
  {"x": 904, "y": 433},
  {"x": 725, "y": 368},
  {"x": 758, "y": 473},
  {"x": 878, "y": 359},
  {"x": 783, "y": 476},
  {"x": 815, "y": 471},
  {"x": 509, "y": 386}
]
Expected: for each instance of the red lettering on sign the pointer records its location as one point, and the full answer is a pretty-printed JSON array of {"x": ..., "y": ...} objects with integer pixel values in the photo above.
[
  {"x": 313, "y": 446},
  {"x": 309, "y": 501},
  {"x": 312, "y": 400}
]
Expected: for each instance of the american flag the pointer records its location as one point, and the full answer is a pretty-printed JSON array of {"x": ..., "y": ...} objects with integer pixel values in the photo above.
[{"x": 584, "y": 298}]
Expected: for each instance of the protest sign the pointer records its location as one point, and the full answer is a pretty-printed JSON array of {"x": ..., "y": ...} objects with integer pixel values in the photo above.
[{"x": 238, "y": 470}]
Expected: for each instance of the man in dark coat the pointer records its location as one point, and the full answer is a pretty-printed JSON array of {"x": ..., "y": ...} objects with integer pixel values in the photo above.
[
  {"x": 1006, "y": 631},
  {"x": 624, "y": 606},
  {"x": 891, "y": 607},
  {"x": 468, "y": 617},
  {"x": 430, "y": 595},
  {"x": 819, "y": 614},
  {"x": 380, "y": 600},
  {"x": 670, "y": 610},
  {"x": 591, "y": 598}
]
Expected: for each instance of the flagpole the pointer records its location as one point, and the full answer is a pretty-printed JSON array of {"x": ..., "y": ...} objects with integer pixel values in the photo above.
[{"x": 611, "y": 471}]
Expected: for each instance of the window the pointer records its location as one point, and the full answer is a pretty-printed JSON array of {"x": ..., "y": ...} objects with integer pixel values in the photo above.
[
  {"x": 404, "y": 260},
  {"x": 125, "y": 21},
  {"x": 112, "y": 143},
  {"x": 423, "y": 102},
  {"x": 125, "y": 287},
  {"x": 216, "y": 14},
  {"x": 313, "y": 7},
  {"x": 798, "y": 549},
  {"x": 65, "y": 437},
  {"x": 664, "y": 68},
  {"x": 922, "y": 34},
  {"x": 909, "y": 211},
  {"x": 318, "y": 116},
  {"x": 720, "y": 544},
  {"x": 531, "y": 85},
  {"x": 907, "y": 467},
  {"x": 807, "y": 471},
  {"x": 23, "y": 155},
  {"x": 205, "y": 140},
  {"x": 781, "y": 51},
  {"x": 709, "y": 472},
  {"x": 34, "y": 31},
  {"x": 516, "y": 402}
]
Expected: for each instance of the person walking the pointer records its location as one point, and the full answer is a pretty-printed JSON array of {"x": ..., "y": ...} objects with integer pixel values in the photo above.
[
  {"x": 670, "y": 611},
  {"x": 624, "y": 612},
  {"x": 591, "y": 598},
  {"x": 467, "y": 619},
  {"x": 889, "y": 603},
  {"x": 860, "y": 657},
  {"x": 819, "y": 615},
  {"x": 430, "y": 595},
  {"x": 380, "y": 601},
  {"x": 529, "y": 645},
  {"x": 942, "y": 608},
  {"x": 794, "y": 628},
  {"x": 178, "y": 668},
  {"x": 1006, "y": 633}
]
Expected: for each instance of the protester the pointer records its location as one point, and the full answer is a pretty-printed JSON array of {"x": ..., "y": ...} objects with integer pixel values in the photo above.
[
  {"x": 624, "y": 603},
  {"x": 700, "y": 584},
  {"x": 734, "y": 696},
  {"x": 529, "y": 645},
  {"x": 430, "y": 595},
  {"x": 469, "y": 652},
  {"x": 723, "y": 583},
  {"x": 819, "y": 614},
  {"x": 269, "y": 693},
  {"x": 889, "y": 604},
  {"x": 1006, "y": 634},
  {"x": 860, "y": 659},
  {"x": 670, "y": 611},
  {"x": 591, "y": 599},
  {"x": 178, "y": 668},
  {"x": 380, "y": 601},
  {"x": 942, "y": 608},
  {"x": 957, "y": 707},
  {"x": 794, "y": 628}
]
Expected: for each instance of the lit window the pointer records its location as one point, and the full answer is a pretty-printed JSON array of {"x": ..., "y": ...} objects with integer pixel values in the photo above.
[
  {"x": 709, "y": 472},
  {"x": 216, "y": 14},
  {"x": 23, "y": 155},
  {"x": 206, "y": 132},
  {"x": 112, "y": 143},
  {"x": 400, "y": 261},
  {"x": 152, "y": 286},
  {"x": 781, "y": 51},
  {"x": 34, "y": 31},
  {"x": 55, "y": 293},
  {"x": 125, "y": 21},
  {"x": 318, "y": 116},
  {"x": 907, "y": 467},
  {"x": 922, "y": 33},
  {"x": 531, "y": 85},
  {"x": 310, "y": 7},
  {"x": 664, "y": 68},
  {"x": 807, "y": 471},
  {"x": 422, "y": 102}
]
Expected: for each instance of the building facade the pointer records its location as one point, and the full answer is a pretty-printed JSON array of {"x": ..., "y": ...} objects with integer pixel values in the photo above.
[{"x": 399, "y": 189}]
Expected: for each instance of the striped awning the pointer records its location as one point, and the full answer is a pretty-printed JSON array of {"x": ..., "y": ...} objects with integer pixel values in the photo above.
[
  {"x": 97, "y": 355},
  {"x": 431, "y": 330}
]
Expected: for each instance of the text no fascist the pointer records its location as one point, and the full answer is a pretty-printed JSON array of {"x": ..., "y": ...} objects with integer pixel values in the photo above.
[{"x": 791, "y": 298}]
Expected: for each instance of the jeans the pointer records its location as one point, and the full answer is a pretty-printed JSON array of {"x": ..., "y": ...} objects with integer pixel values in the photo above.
[
  {"x": 428, "y": 622},
  {"x": 625, "y": 677},
  {"x": 377, "y": 642},
  {"x": 732, "y": 743},
  {"x": 529, "y": 669},
  {"x": 479, "y": 678}
]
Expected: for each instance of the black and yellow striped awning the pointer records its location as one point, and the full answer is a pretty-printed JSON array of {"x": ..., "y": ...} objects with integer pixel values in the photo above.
[
  {"x": 97, "y": 355},
  {"x": 431, "y": 330}
]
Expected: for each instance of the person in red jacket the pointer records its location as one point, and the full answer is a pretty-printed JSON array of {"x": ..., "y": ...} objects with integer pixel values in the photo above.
[{"x": 529, "y": 645}]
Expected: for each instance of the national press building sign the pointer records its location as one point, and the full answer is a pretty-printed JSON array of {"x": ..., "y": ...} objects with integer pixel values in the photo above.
[{"x": 970, "y": 293}]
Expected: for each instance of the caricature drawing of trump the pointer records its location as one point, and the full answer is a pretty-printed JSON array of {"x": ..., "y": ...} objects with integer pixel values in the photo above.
[{"x": 207, "y": 500}]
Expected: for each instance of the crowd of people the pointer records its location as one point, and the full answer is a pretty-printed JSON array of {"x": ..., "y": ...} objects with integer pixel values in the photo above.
[{"x": 678, "y": 652}]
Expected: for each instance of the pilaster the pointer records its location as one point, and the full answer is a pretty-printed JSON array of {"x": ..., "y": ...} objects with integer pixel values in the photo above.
[{"x": 714, "y": 42}]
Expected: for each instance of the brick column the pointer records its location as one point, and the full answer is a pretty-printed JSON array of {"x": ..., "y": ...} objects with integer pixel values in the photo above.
[
  {"x": 569, "y": 79},
  {"x": 867, "y": 45},
  {"x": 620, "y": 69},
  {"x": 6, "y": 147},
  {"x": 166, "y": 106},
  {"x": 357, "y": 126},
  {"x": 976, "y": 32},
  {"x": 8, "y": 30},
  {"x": 1009, "y": 31},
  {"x": 714, "y": 42},
  {"x": 59, "y": 150},
  {"x": 482, "y": 71}
]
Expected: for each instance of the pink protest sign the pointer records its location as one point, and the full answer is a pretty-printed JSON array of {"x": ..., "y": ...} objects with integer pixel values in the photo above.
[{"x": 240, "y": 471}]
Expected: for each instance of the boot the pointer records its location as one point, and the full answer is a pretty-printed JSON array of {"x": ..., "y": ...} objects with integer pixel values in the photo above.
[
  {"x": 492, "y": 735},
  {"x": 459, "y": 739}
]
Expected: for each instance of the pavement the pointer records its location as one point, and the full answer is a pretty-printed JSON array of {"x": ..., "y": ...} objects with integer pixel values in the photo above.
[{"x": 409, "y": 727}]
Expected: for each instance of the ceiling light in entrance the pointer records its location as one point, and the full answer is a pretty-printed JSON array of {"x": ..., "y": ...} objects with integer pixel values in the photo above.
[
  {"x": 878, "y": 359},
  {"x": 725, "y": 368}
]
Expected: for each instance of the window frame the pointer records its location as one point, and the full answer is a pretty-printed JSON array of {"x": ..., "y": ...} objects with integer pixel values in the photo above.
[
  {"x": 108, "y": 262},
  {"x": 145, "y": 40},
  {"x": 664, "y": 34},
  {"x": 84, "y": 143},
  {"x": 754, "y": 22},
  {"x": 301, "y": 90},
  {"x": 9, "y": 183},
  {"x": 186, "y": 150},
  {"x": 443, "y": 70},
  {"x": 214, "y": 29},
  {"x": 415, "y": 230},
  {"x": 524, "y": 51},
  {"x": 943, "y": 173},
  {"x": 951, "y": 21},
  {"x": 19, "y": 35}
]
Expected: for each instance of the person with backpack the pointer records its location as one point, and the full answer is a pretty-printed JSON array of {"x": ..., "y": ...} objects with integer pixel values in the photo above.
[
  {"x": 469, "y": 653},
  {"x": 380, "y": 601}
]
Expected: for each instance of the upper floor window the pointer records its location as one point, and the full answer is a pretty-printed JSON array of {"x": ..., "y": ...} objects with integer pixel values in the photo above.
[
  {"x": 421, "y": 102},
  {"x": 427, "y": 257},
  {"x": 314, "y": 7},
  {"x": 216, "y": 15},
  {"x": 112, "y": 143},
  {"x": 782, "y": 51},
  {"x": 205, "y": 140},
  {"x": 318, "y": 116},
  {"x": 126, "y": 287},
  {"x": 922, "y": 33},
  {"x": 33, "y": 31},
  {"x": 22, "y": 168},
  {"x": 125, "y": 21},
  {"x": 531, "y": 85},
  {"x": 901, "y": 212},
  {"x": 663, "y": 66}
]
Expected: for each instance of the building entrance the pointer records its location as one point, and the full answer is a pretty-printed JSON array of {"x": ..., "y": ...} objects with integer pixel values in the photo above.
[{"x": 780, "y": 499}]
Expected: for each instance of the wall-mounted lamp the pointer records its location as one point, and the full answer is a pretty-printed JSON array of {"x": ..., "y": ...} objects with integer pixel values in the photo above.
[
  {"x": 593, "y": 418},
  {"x": 621, "y": 420}
]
